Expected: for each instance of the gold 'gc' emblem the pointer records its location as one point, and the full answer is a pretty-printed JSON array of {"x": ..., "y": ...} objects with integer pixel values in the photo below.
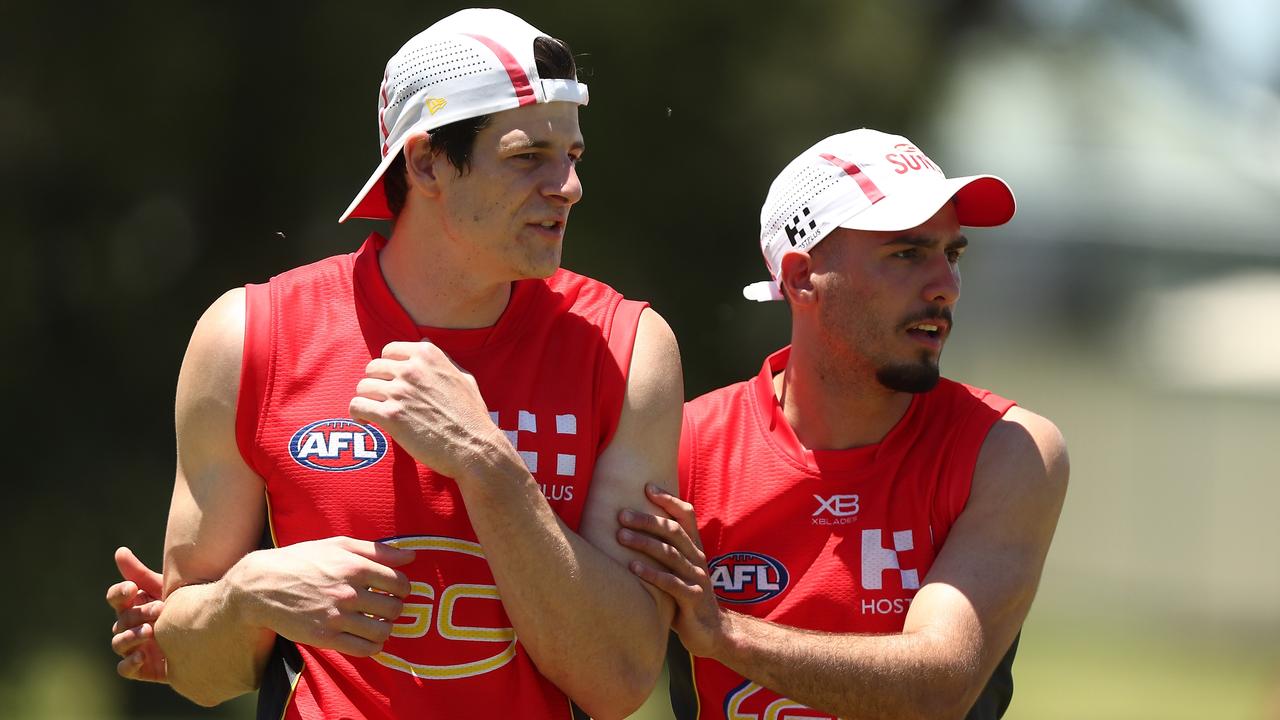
[
  {"x": 420, "y": 615},
  {"x": 778, "y": 709}
]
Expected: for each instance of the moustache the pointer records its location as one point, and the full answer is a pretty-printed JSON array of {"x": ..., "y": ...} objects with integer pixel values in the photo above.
[{"x": 934, "y": 313}]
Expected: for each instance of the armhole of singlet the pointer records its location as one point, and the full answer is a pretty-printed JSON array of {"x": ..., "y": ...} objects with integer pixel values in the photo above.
[
  {"x": 972, "y": 435},
  {"x": 284, "y": 666},
  {"x": 687, "y": 462},
  {"x": 279, "y": 680},
  {"x": 682, "y": 681},
  {"x": 997, "y": 693},
  {"x": 682, "y": 678},
  {"x": 254, "y": 370},
  {"x": 621, "y": 338}
]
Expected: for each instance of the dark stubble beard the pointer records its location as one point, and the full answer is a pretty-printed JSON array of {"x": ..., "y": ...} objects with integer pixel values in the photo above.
[{"x": 918, "y": 377}]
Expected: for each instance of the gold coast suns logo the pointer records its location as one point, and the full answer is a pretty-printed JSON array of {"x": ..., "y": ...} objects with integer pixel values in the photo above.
[
  {"x": 453, "y": 625},
  {"x": 749, "y": 701}
]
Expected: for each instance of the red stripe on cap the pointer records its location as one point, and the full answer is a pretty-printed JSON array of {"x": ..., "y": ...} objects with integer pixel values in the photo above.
[
  {"x": 382, "y": 112},
  {"x": 519, "y": 81},
  {"x": 868, "y": 188}
]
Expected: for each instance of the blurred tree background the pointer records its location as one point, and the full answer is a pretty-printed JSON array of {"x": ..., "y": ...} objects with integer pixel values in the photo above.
[{"x": 157, "y": 154}]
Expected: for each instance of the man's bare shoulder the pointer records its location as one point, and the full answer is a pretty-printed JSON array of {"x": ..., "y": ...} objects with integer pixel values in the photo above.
[
  {"x": 655, "y": 363},
  {"x": 1026, "y": 449},
  {"x": 217, "y": 341},
  {"x": 644, "y": 447},
  {"x": 210, "y": 375}
]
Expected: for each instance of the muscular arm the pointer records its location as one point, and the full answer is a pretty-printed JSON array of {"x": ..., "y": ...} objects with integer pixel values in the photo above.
[
  {"x": 588, "y": 624},
  {"x": 960, "y": 624},
  {"x": 215, "y": 519},
  {"x": 225, "y": 602}
]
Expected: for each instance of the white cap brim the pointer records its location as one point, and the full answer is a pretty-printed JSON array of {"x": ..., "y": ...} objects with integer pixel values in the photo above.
[{"x": 981, "y": 201}]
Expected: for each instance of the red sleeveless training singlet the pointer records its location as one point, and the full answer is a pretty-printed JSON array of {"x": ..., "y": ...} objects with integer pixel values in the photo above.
[
  {"x": 830, "y": 540},
  {"x": 552, "y": 372}
]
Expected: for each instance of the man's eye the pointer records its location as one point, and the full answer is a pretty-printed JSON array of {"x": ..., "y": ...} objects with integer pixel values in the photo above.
[
  {"x": 907, "y": 254},
  {"x": 954, "y": 255}
]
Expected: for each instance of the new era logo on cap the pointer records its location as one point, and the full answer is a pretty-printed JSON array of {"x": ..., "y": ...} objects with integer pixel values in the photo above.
[{"x": 865, "y": 180}]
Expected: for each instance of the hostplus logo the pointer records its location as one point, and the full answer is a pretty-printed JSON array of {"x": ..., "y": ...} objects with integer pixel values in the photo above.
[{"x": 879, "y": 561}]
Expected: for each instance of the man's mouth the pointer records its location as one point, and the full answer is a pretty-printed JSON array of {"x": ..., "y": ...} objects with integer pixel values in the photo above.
[
  {"x": 549, "y": 226},
  {"x": 930, "y": 329}
]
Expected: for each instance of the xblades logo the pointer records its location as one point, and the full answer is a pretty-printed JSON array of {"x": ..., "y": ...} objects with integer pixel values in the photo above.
[{"x": 835, "y": 510}]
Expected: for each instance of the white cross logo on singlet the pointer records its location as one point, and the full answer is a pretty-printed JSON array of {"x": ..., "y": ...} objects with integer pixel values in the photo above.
[{"x": 527, "y": 422}]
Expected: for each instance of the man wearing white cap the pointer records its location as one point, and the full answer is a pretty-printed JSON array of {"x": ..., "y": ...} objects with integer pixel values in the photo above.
[
  {"x": 442, "y": 537},
  {"x": 873, "y": 534}
]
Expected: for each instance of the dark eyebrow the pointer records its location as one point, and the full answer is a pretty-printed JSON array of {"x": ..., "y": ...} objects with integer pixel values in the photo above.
[{"x": 921, "y": 241}]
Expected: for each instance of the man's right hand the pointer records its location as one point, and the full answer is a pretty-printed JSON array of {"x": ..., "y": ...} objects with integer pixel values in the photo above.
[
  {"x": 337, "y": 593},
  {"x": 137, "y": 603}
]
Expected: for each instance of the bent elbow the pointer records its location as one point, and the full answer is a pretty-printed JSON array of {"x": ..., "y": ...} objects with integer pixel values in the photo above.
[
  {"x": 206, "y": 702},
  {"x": 201, "y": 696},
  {"x": 618, "y": 705},
  {"x": 928, "y": 707},
  {"x": 199, "y": 688},
  {"x": 623, "y": 694},
  {"x": 944, "y": 701}
]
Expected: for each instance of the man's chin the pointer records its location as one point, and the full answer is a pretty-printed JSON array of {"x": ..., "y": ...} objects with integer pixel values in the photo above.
[
  {"x": 541, "y": 268},
  {"x": 910, "y": 378}
]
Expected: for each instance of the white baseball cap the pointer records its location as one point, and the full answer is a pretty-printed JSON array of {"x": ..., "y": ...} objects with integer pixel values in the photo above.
[
  {"x": 865, "y": 180},
  {"x": 472, "y": 63}
]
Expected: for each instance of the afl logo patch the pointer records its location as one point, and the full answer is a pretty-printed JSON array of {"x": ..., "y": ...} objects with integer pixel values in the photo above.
[
  {"x": 337, "y": 444},
  {"x": 747, "y": 577}
]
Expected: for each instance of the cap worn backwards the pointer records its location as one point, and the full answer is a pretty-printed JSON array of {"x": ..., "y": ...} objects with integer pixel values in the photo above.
[
  {"x": 472, "y": 63},
  {"x": 865, "y": 180}
]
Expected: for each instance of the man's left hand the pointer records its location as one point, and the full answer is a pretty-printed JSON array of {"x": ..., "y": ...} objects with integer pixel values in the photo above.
[
  {"x": 682, "y": 573},
  {"x": 137, "y": 604}
]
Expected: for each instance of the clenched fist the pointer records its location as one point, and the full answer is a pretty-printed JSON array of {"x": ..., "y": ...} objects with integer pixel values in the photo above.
[{"x": 431, "y": 407}]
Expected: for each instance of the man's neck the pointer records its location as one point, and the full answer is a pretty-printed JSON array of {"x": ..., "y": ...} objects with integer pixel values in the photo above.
[
  {"x": 834, "y": 407},
  {"x": 436, "y": 288}
]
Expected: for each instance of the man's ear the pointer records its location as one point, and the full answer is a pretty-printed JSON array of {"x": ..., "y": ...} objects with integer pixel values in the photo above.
[
  {"x": 419, "y": 164},
  {"x": 796, "y": 278}
]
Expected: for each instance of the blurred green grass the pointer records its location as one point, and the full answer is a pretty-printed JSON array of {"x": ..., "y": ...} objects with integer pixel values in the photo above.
[
  {"x": 1074, "y": 669},
  {"x": 1109, "y": 670}
]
